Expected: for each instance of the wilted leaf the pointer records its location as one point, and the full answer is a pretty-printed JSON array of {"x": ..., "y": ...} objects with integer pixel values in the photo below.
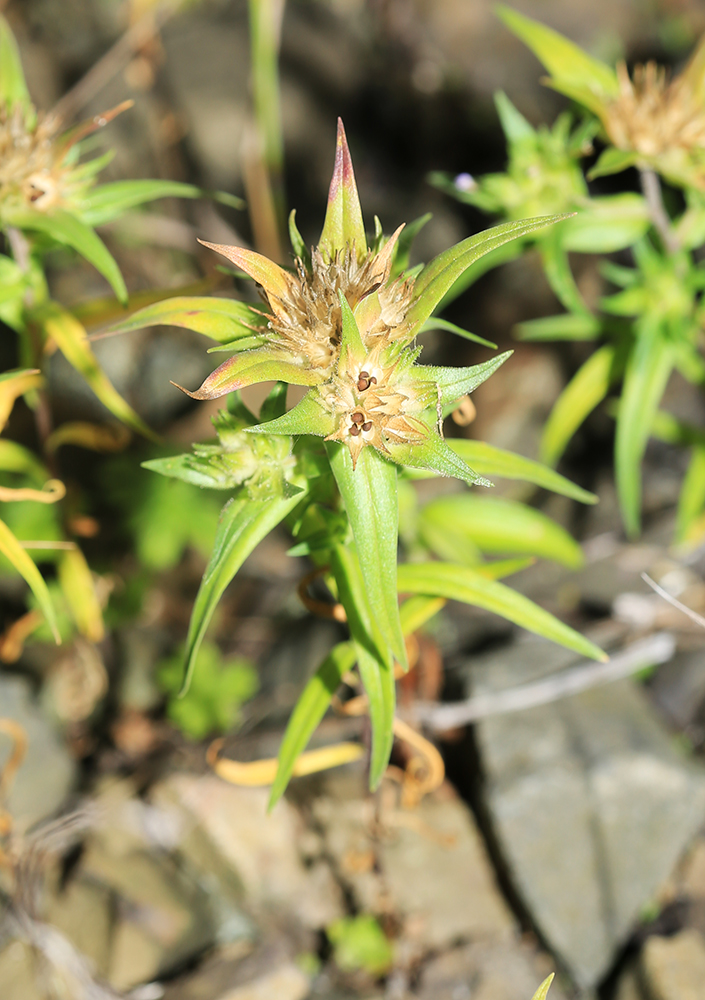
[
  {"x": 14, "y": 384},
  {"x": 78, "y": 588},
  {"x": 15, "y": 554}
]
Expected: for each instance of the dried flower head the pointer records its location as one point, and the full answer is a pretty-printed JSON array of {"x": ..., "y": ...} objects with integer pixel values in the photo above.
[{"x": 654, "y": 115}]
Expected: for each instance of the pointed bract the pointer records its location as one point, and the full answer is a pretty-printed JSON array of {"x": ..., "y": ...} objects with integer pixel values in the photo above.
[
  {"x": 265, "y": 272},
  {"x": 343, "y": 226}
]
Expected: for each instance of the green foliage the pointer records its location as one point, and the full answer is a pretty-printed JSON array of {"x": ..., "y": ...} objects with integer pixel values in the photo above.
[
  {"x": 652, "y": 323},
  {"x": 360, "y": 943},
  {"x": 212, "y": 703}
]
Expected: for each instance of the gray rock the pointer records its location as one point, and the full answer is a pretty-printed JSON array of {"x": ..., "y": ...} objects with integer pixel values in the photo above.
[
  {"x": 591, "y": 804},
  {"x": 674, "y": 968},
  {"x": 679, "y": 687},
  {"x": 47, "y": 772},
  {"x": 486, "y": 971},
  {"x": 428, "y": 868}
]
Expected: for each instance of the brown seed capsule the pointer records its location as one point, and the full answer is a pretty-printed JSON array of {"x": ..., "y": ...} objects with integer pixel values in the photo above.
[
  {"x": 354, "y": 430},
  {"x": 367, "y": 426},
  {"x": 357, "y": 417},
  {"x": 373, "y": 380}
]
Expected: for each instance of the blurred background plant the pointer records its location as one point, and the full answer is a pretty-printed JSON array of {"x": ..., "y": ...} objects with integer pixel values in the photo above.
[{"x": 653, "y": 324}]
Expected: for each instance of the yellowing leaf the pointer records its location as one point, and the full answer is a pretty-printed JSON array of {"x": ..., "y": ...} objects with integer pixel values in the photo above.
[
  {"x": 78, "y": 588},
  {"x": 343, "y": 225},
  {"x": 14, "y": 384},
  {"x": 15, "y": 554},
  {"x": 70, "y": 337}
]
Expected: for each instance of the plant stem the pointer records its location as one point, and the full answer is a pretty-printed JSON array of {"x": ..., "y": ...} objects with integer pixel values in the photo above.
[{"x": 651, "y": 186}]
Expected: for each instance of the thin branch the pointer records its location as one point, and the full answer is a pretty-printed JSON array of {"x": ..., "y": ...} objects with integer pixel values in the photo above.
[
  {"x": 114, "y": 60},
  {"x": 693, "y": 615},
  {"x": 651, "y": 186},
  {"x": 657, "y": 648}
]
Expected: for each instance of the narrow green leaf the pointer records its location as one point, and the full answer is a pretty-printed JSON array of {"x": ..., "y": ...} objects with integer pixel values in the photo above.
[
  {"x": 565, "y": 326},
  {"x": 515, "y": 127},
  {"x": 274, "y": 405},
  {"x": 586, "y": 389},
  {"x": 69, "y": 230},
  {"x": 107, "y": 201},
  {"x": 70, "y": 337},
  {"x": 242, "y": 526},
  {"x": 495, "y": 258},
  {"x": 459, "y": 583},
  {"x": 15, "y": 554},
  {"x": 13, "y": 89},
  {"x": 223, "y": 320},
  {"x": 500, "y": 568},
  {"x": 374, "y": 662},
  {"x": 402, "y": 250},
  {"x": 613, "y": 161},
  {"x": 265, "y": 364},
  {"x": 488, "y": 460},
  {"x": 350, "y": 340},
  {"x": 307, "y": 417},
  {"x": 417, "y": 610},
  {"x": 500, "y": 527},
  {"x": 310, "y": 708},
  {"x": 369, "y": 493},
  {"x": 606, "y": 224},
  {"x": 691, "y": 501},
  {"x": 437, "y": 278},
  {"x": 456, "y": 382},
  {"x": 558, "y": 272},
  {"x": 297, "y": 243},
  {"x": 648, "y": 370},
  {"x": 561, "y": 57},
  {"x": 343, "y": 225},
  {"x": 434, "y": 323},
  {"x": 434, "y": 455}
]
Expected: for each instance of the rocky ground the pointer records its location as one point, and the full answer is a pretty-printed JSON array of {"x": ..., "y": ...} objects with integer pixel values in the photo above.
[{"x": 567, "y": 836}]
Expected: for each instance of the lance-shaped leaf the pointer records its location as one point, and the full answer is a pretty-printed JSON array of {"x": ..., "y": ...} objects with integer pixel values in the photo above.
[
  {"x": 488, "y": 460},
  {"x": 437, "y": 277},
  {"x": 309, "y": 416},
  {"x": 691, "y": 501},
  {"x": 310, "y": 708},
  {"x": 434, "y": 323},
  {"x": 78, "y": 588},
  {"x": 455, "y": 382},
  {"x": 584, "y": 392},
  {"x": 515, "y": 127},
  {"x": 564, "y": 326},
  {"x": 266, "y": 364},
  {"x": 434, "y": 455},
  {"x": 242, "y": 526},
  {"x": 613, "y": 161},
  {"x": 566, "y": 62},
  {"x": 460, "y": 583},
  {"x": 224, "y": 320},
  {"x": 108, "y": 201},
  {"x": 343, "y": 225},
  {"x": 297, "y": 241},
  {"x": 542, "y": 992},
  {"x": 16, "y": 555},
  {"x": 647, "y": 373},
  {"x": 13, "y": 89},
  {"x": 373, "y": 660},
  {"x": 496, "y": 526},
  {"x": 369, "y": 493},
  {"x": 69, "y": 230},
  {"x": 559, "y": 275},
  {"x": 273, "y": 279},
  {"x": 70, "y": 337},
  {"x": 13, "y": 384}
]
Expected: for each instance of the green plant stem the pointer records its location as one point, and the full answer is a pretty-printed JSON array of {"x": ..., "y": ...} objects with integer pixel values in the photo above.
[{"x": 651, "y": 186}]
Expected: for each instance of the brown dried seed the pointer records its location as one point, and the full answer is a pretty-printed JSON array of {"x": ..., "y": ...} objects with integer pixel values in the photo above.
[
  {"x": 367, "y": 426},
  {"x": 357, "y": 417},
  {"x": 354, "y": 430}
]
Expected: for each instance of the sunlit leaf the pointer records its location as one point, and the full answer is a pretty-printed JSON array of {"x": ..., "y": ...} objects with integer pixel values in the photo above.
[
  {"x": 13, "y": 89},
  {"x": 456, "y": 382},
  {"x": 613, "y": 161},
  {"x": 460, "y": 583},
  {"x": 265, "y": 364},
  {"x": 310, "y": 708},
  {"x": 78, "y": 588},
  {"x": 606, "y": 224},
  {"x": 648, "y": 370},
  {"x": 70, "y": 337},
  {"x": 542, "y": 992},
  {"x": 434, "y": 323},
  {"x": 343, "y": 225},
  {"x": 242, "y": 526},
  {"x": 565, "y": 326},
  {"x": 515, "y": 127},
  {"x": 587, "y": 388},
  {"x": 691, "y": 501},
  {"x": 438, "y": 277},
  {"x": 499, "y": 527},
  {"x": 224, "y": 320},
  {"x": 67, "y": 229},
  {"x": 13, "y": 384},
  {"x": 15, "y": 554},
  {"x": 562, "y": 58},
  {"x": 369, "y": 493},
  {"x": 373, "y": 660},
  {"x": 488, "y": 460}
]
